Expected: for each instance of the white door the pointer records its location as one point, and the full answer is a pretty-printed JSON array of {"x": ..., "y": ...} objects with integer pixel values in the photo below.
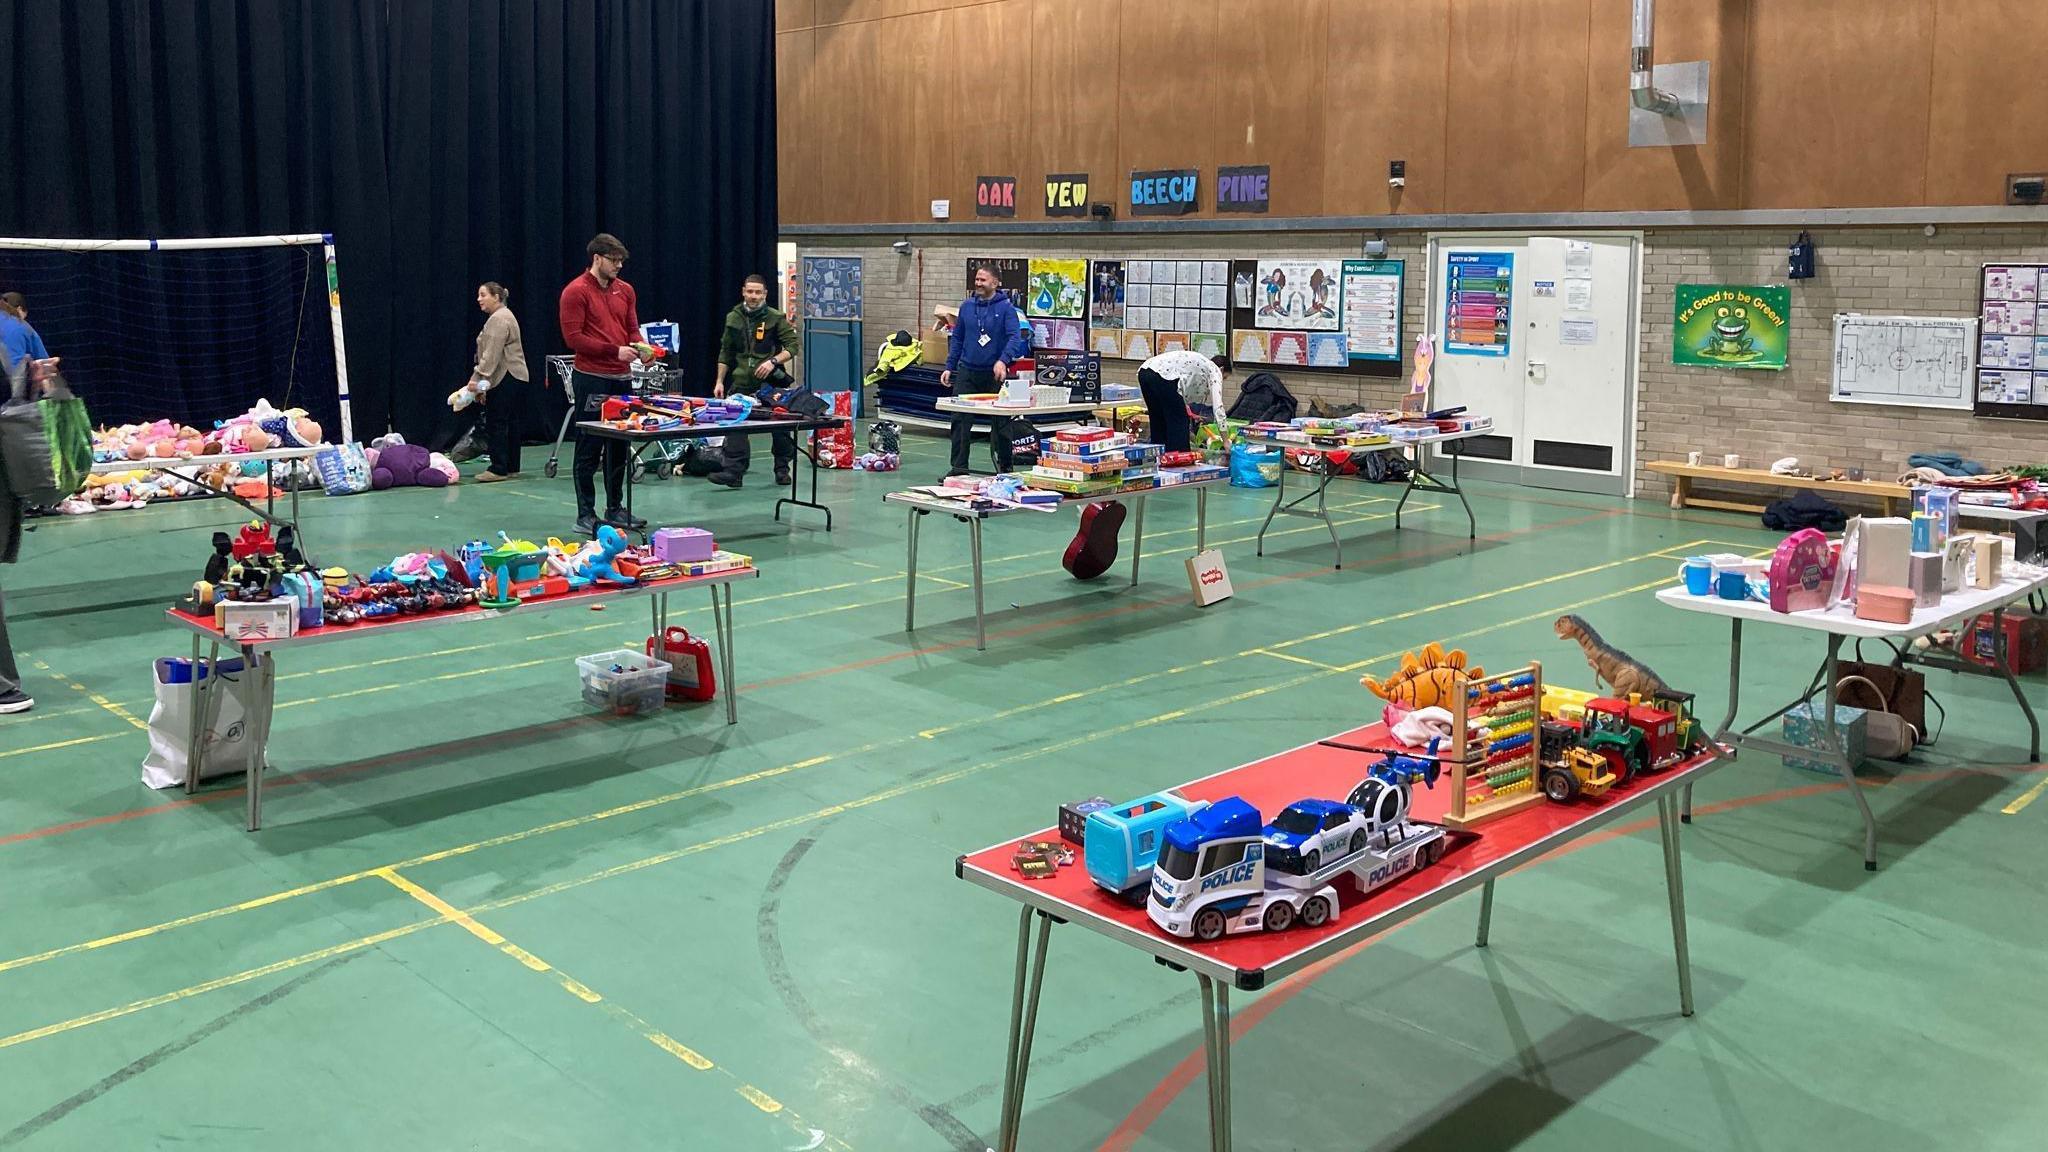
[{"x": 1539, "y": 332}]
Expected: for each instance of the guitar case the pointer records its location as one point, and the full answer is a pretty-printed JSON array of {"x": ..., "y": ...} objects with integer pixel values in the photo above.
[{"x": 1093, "y": 548}]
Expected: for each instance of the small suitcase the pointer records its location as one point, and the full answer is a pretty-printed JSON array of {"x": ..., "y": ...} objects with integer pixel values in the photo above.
[{"x": 690, "y": 675}]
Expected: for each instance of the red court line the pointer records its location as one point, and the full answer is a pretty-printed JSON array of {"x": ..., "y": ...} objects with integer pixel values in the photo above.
[
  {"x": 294, "y": 779},
  {"x": 1192, "y": 1066}
]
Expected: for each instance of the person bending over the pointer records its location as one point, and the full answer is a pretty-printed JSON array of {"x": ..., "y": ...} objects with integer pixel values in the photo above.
[{"x": 1170, "y": 382}]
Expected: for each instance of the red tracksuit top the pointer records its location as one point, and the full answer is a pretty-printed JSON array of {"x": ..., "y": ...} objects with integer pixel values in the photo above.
[{"x": 597, "y": 321}]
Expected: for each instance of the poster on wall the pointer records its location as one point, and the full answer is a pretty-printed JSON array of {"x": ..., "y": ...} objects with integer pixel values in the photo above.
[
  {"x": 1164, "y": 342},
  {"x": 1288, "y": 349},
  {"x": 1479, "y": 290},
  {"x": 1014, "y": 277},
  {"x": 1248, "y": 347},
  {"x": 1326, "y": 350},
  {"x": 1372, "y": 309},
  {"x": 1209, "y": 343},
  {"x": 1057, "y": 288},
  {"x": 1106, "y": 294},
  {"x": 1732, "y": 326},
  {"x": 2012, "y": 375},
  {"x": 831, "y": 287},
  {"x": 995, "y": 195},
  {"x": 1107, "y": 341},
  {"x": 1300, "y": 294},
  {"x": 1052, "y": 332}
]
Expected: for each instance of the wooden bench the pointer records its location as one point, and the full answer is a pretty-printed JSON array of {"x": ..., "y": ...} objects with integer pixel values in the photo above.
[{"x": 1893, "y": 496}]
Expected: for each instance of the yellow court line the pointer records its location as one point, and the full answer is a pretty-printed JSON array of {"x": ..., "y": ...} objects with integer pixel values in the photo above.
[
  {"x": 662, "y": 1040},
  {"x": 93, "y": 696},
  {"x": 2026, "y": 798},
  {"x": 721, "y": 785},
  {"x": 760, "y": 830},
  {"x": 1296, "y": 659}
]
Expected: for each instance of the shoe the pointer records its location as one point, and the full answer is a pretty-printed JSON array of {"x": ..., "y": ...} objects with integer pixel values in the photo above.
[
  {"x": 617, "y": 518},
  {"x": 15, "y": 701},
  {"x": 954, "y": 472},
  {"x": 465, "y": 449},
  {"x": 489, "y": 477},
  {"x": 782, "y": 477},
  {"x": 586, "y": 525},
  {"x": 724, "y": 479}
]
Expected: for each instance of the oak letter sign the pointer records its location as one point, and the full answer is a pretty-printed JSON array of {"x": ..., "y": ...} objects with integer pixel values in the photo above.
[{"x": 995, "y": 195}]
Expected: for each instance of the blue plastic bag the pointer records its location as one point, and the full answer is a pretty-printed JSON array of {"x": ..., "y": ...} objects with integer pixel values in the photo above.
[{"x": 1255, "y": 467}]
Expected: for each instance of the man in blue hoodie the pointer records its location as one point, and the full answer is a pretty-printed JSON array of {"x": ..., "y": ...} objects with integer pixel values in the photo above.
[{"x": 985, "y": 339}]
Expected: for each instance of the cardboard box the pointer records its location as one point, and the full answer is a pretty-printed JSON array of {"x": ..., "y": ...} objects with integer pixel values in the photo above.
[
  {"x": 1803, "y": 727},
  {"x": 1925, "y": 568},
  {"x": 243, "y": 620},
  {"x": 682, "y": 545},
  {"x": 1885, "y": 604},
  {"x": 1987, "y": 561},
  {"x": 1883, "y": 551}
]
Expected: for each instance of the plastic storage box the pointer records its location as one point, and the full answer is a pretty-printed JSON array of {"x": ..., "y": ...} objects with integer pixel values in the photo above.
[{"x": 623, "y": 682}]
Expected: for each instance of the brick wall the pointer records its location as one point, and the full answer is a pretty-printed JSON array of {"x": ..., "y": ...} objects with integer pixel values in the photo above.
[{"x": 1761, "y": 416}]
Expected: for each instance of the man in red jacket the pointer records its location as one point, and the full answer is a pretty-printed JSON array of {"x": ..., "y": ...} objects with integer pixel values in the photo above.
[{"x": 601, "y": 324}]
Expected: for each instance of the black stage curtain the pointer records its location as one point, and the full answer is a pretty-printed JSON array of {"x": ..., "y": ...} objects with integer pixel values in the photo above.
[{"x": 442, "y": 142}]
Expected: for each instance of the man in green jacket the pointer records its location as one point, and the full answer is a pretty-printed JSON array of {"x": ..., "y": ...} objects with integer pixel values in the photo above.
[{"x": 756, "y": 349}]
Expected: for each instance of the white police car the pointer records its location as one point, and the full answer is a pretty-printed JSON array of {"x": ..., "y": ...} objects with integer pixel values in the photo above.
[{"x": 1309, "y": 834}]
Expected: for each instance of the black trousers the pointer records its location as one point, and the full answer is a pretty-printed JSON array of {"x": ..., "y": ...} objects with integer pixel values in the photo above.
[
  {"x": 739, "y": 450},
  {"x": 590, "y": 392},
  {"x": 1166, "y": 409},
  {"x": 966, "y": 382},
  {"x": 501, "y": 414}
]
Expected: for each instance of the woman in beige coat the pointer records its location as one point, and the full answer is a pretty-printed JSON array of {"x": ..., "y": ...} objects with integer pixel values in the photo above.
[{"x": 496, "y": 380}]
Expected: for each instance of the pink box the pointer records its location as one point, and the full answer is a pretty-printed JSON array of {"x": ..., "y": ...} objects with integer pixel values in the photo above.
[
  {"x": 1884, "y": 603},
  {"x": 682, "y": 545}
]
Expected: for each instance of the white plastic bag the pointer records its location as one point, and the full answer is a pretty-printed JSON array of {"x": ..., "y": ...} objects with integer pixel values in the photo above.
[{"x": 230, "y": 743}]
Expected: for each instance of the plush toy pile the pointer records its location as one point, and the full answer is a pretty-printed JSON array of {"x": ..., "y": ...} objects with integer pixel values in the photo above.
[
  {"x": 261, "y": 428},
  {"x": 396, "y": 464}
]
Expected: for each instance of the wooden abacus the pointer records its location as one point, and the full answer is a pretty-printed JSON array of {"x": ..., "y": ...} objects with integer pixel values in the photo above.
[{"x": 1498, "y": 774}]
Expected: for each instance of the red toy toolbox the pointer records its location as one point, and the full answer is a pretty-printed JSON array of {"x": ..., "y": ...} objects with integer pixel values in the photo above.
[
  {"x": 2026, "y": 643},
  {"x": 689, "y": 664}
]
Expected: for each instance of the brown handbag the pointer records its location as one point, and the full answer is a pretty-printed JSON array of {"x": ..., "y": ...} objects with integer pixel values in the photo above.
[{"x": 1889, "y": 687}]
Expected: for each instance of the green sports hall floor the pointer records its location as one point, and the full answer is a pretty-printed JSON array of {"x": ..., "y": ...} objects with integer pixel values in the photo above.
[{"x": 683, "y": 935}]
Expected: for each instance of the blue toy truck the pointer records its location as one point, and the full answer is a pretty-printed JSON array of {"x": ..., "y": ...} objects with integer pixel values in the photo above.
[{"x": 1122, "y": 841}]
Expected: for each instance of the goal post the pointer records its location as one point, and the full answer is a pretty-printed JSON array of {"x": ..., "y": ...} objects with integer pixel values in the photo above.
[{"x": 88, "y": 312}]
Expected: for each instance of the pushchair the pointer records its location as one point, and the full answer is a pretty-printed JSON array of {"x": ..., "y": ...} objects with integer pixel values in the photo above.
[{"x": 659, "y": 458}]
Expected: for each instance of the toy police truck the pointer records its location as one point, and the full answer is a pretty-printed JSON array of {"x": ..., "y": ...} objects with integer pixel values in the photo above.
[{"x": 1221, "y": 873}]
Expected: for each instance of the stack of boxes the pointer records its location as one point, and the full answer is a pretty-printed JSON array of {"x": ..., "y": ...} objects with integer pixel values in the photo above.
[{"x": 1092, "y": 461}]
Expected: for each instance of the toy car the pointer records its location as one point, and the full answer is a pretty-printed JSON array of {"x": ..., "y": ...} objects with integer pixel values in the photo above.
[{"x": 1308, "y": 832}]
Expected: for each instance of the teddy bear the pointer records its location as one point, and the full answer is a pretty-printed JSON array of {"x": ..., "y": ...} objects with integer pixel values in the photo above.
[{"x": 405, "y": 465}]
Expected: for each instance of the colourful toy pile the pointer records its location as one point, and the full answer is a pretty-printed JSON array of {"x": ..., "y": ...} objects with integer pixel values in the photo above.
[
  {"x": 1094, "y": 461},
  {"x": 261, "y": 428},
  {"x": 664, "y": 412}
]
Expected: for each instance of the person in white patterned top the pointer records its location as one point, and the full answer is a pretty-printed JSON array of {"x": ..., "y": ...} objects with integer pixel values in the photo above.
[{"x": 1170, "y": 382}]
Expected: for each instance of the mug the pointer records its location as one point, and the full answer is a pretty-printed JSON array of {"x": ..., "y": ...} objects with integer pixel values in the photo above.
[
  {"x": 1692, "y": 458},
  {"x": 1698, "y": 574},
  {"x": 1732, "y": 585},
  {"x": 1731, "y": 460}
]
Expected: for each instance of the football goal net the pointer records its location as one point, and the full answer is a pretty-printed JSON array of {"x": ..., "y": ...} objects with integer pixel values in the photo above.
[{"x": 192, "y": 331}]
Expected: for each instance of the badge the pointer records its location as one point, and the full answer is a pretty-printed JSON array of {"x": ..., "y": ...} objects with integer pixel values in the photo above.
[{"x": 984, "y": 339}]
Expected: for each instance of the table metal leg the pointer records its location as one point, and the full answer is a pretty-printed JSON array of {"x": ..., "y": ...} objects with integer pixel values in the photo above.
[
  {"x": 980, "y": 624},
  {"x": 1138, "y": 540},
  {"x": 1727, "y": 728},
  {"x": 1408, "y": 490},
  {"x": 2005, "y": 672},
  {"x": 1201, "y": 519},
  {"x": 721, "y": 623},
  {"x": 270, "y": 491},
  {"x": 263, "y": 667},
  {"x": 1279, "y": 497},
  {"x": 1485, "y": 913},
  {"x": 1216, "y": 1056},
  {"x": 1674, "y": 886},
  {"x": 298, "y": 533},
  {"x": 1023, "y": 1021},
  {"x": 1837, "y": 750},
  {"x": 809, "y": 453},
  {"x": 195, "y": 740},
  {"x": 910, "y": 575},
  {"x": 1323, "y": 510}
]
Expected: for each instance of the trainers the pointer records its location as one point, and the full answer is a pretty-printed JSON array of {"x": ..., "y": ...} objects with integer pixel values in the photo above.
[
  {"x": 15, "y": 701},
  {"x": 724, "y": 479},
  {"x": 586, "y": 525},
  {"x": 782, "y": 477},
  {"x": 618, "y": 518},
  {"x": 489, "y": 477}
]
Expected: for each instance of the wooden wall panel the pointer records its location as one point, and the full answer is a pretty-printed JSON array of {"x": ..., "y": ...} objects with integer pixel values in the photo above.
[
  {"x": 868, "y": 119},
  {"x": 1072, "y": 100},
  {"x": 1171, "y": 56},
  {"x": 1837, "y": 110},
  {"x": 1517, "y": 106},
  {"x": 1386, "y": 99},
  {"x": 796, "y": 134},
  {"x": 791, "y": 15},
  {"x": 1274, "y": 105},
  {"x": 1989, "y": 114},
  {"x": 1702, "y": 178},
  {"x": 973, "y": 99},
  {"x": 853, "y": 11}
]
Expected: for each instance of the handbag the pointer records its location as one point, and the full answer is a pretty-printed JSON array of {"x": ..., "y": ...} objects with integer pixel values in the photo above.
[
  {"x": 1889, "y": 688},
  {"x": 45, "y": 444},
  {"x": 1887, "y": 736}
]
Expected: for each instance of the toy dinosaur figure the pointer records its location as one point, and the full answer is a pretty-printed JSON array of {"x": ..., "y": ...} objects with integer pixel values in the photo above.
[
  {"x": 1425, "y": 680},
  {"x": 1621, "y": 672}
]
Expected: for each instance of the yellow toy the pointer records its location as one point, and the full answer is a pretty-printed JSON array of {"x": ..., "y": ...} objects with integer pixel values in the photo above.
[{"x": 1428, "y": 680}]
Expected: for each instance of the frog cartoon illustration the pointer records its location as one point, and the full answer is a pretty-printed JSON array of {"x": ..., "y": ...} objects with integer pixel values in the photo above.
[{"x": 1730, "y": 338}]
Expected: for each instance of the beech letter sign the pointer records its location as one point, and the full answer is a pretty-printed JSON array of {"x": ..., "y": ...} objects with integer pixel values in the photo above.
[
  {"x": 995, "y": 195},
  {"x": 1168, "y": 192},
  {"x": 1243, "y": 189},
  {"x": 1066, "y": 194}
]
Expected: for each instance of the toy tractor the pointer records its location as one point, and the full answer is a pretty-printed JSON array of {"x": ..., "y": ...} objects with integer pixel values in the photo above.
[
  {"x": 1620, "y": 745},
  {"x": 1570, "y": 770}
]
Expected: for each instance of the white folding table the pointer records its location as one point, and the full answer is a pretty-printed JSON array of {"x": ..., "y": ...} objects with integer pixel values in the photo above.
[
  {"x": 188, "y": 468},
  {"x": 1840, "y": 622}
]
